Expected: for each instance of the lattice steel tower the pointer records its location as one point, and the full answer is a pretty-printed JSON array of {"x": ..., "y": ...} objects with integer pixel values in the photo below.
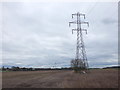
[{"x": 80, "y": 47}]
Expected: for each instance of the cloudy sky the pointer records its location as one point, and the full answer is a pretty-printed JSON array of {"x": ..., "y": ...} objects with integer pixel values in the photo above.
[{"x": 37, "y": 34}]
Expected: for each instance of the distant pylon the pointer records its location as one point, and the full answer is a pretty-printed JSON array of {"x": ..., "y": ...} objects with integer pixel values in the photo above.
[{"x": 80, "y": 47}]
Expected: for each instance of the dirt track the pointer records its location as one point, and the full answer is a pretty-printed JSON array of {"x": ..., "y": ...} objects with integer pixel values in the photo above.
[{"x": 61, "y": 79}]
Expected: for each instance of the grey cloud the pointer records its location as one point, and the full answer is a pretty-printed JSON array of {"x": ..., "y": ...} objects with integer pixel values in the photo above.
[
  {"x": 38, "y": 35},
  {"x": 109, "y": 21}
]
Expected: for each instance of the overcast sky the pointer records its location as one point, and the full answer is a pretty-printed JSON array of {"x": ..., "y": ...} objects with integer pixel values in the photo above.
[{"x": 38, "y": 35}]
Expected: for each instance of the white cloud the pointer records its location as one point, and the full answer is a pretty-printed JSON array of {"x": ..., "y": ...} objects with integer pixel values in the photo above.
[{"x": 38, "y": 34}]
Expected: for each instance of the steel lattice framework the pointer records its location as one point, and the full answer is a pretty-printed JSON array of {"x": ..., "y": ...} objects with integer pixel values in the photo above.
[{"x": 80, "y": 47}]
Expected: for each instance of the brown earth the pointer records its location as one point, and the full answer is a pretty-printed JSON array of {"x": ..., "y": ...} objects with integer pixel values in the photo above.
[
  {"x": 99, "y": 78},
  {"x": 0, "y": 80}
]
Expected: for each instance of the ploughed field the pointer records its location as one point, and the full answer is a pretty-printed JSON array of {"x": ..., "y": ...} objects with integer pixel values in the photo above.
[{"x": 96, "y": 78}]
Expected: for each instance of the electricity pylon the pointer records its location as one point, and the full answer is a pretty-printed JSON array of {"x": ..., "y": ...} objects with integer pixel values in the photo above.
[{"x": 80, "y": 47}]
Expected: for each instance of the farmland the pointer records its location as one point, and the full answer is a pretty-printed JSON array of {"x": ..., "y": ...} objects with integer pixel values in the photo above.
[{"x": 95, "y": 78}]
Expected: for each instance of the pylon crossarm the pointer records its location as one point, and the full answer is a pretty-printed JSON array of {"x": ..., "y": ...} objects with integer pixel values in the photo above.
[
  {"x": 84, "y": 30},
  {"x": 74, "y": 30},
  {"x": 73, "y": 15},
  {"x": 72, "y": 23},
  {"x": 84, "y": 23},
  {"x": 83, "y": 15}
]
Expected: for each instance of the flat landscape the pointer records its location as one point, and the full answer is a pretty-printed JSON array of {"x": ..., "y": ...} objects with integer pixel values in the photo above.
[{"x": 96, "y": 78}]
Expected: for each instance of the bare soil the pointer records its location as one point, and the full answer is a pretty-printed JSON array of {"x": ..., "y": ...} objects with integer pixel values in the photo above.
[{"x": 99, "y": 78}]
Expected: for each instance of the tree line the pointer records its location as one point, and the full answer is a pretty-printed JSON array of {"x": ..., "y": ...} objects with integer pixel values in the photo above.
[{"x": 14, "y": 68}]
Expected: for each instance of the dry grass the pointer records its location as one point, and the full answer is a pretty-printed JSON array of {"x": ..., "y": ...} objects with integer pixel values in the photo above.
[{"x": 101, "y": 78}]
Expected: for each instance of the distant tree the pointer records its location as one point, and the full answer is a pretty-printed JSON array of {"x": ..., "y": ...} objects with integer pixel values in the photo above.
[
  {"x": 24, "y": 69},
  {"x": 15, "y": 68},
  {"x": 30, "y": 69},
  {"x": 3, "y": 68},
  {"x": 7, "y": 69}
]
